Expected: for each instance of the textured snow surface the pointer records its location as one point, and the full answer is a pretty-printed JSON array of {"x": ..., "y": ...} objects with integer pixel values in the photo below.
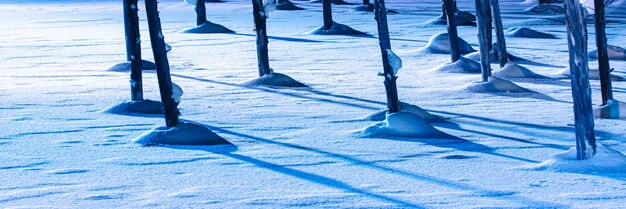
[
  {"x": 605, "y": 160},
  {"x": 291, "y": 148},
  {"x": 613, "y": 109},
  {"x": 495, "y": 84}
]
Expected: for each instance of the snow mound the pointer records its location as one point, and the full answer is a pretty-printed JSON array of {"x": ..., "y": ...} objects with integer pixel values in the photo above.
[
  {"x": 193, "y": 2},
  {"x": 463, "y": 65},
  {"x": 136, "y": 108},
  {"x": 126, "y": 66},
  {"x": 461, "y": 19},
  {"x": 612, "y": 110},
  {"x": 286, "y": 5},
  {"x": 513, "y": 70},
  {"x": 183, "y": 134},
  {"x": 365, "y": 8},
  {"x": 605, "y": 160},
  {"x": 403, "y": 124},
  {"x": 524, "y": 32},
  {"x": 408, "y": 108},
  {"x": 594, "y": 74},
  {"x": 614, "y": 52},
  {"x": 337, "y": 29},
  {"x": 440, "y": 44},
  {"x": 208, "y": 27},
  {"x": 337, "y": 2},
  {"x": 274, "y": 79},
  {"x": 495, "y": 84},
  {"x": 494, "y": 55},
  {"x": 545, "y": 9}
]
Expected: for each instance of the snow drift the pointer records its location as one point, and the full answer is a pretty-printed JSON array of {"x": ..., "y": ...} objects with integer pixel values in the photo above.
[{"x": 440, "y": 44}]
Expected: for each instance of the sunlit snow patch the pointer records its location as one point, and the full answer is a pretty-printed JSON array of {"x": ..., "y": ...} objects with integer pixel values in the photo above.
[
  {"x": 494, "y": 84},
  {"x": 208, "y": 27},
  {"x": 440, "y": 44},
  {"x": 403, "y": 124},
  {"x": 126, "y": 66},
  {"x": 605, "y": 160},
  {"x": 184, "y": 133},
  {"x": 612, "y": 110}
]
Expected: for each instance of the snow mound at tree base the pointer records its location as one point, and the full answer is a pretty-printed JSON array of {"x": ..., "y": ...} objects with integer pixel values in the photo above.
[
  {"x": 494, "y": 55},
  {"x": 337, "y": 2},
  {"x": 274, "y": 79},
  {"x": 193, "y": 2},
  {"x": 287, "y": 6},
  {"x": 545, "y": 9},
  {"x": 403, "y": 124},
  {"x": 365, "y": 8},
  {"x": 524, "y": 32},
  {"x": 208, "y": 27},
  {"x": 460, "y": 19},
  {"x": 135, "y": 108},
  {"x": 605, "y": 160},
  {"x": 612, "y": 110},
  {"x": 126, "y": 66},
  {"x": 494, "y": 84},
  {"x": 614, "y": 52},
  {"x": 408, "y": 108},
  {"x": 463, "y": 65},
  {"x": 337, "y": 29},
  {"x": 440, "y": 44},
  {"x": 594, "y": 74},
  {"x": 182, "y": 134},
  {"x": 513, "y": 70}
]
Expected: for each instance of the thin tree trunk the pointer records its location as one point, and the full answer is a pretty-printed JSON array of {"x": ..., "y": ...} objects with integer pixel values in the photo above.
[
  {"x": 162, "y": 64},
  {"x": 328, "y": 14},
  {"x": 603, "y": 58},
  {"x": 261, "y": 37},
  {"x": 497, "y": 20},
  {"x": 200, "y": 12},
  {"x": 133, "y": 48},
  {"x": 581, "y": 90},
  {"x": 484, "y": 34},
  {"x": 448, "y": 8},
  {"x": 366, "y": 2},
  {"x": 385, "y": 44}
]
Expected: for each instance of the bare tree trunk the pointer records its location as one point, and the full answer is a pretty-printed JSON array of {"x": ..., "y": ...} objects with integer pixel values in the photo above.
[
  {"x": 448, "y": 8},
  {"x": 163, "y": 67},
  {"x": 200, "y": 12},
  {"x": 261, "y": 37},
  {"x": 133, "y": 48},
  {"x": 484, "y": 36},
  {"x": 385, "y": 44},
  {"x": 497, "y": 20},
  {"x": 606, "y": 86},
  {"x": 581, "y": 90},
  {"x": 328, "y": 14},
  {"x": 366, "y": 2}
]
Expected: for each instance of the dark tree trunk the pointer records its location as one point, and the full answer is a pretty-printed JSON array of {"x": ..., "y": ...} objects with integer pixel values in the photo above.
[
  {"x": 328, "y": 14},
  {"x": 163, "y": 69},
  {"x": 484, "y": 36},
  {"x": 133, "y": 48},
  {"x": 448, "y": 8},
  {"x": 261, "y": 37},
  {"x": 200, "y": 12},
  {"x": 366, "y": 2},
  {"x": 497, "y": 20},
  {"x": 603, "y": 58},
  {"x": 385, "y": 44},
  {"x": 581, "y": 90}
]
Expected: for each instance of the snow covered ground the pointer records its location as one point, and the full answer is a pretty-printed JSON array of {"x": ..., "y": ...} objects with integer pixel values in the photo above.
[{"x": 291, "y": 148}]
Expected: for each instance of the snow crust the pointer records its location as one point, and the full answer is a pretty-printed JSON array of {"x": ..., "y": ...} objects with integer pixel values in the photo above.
[
  {"x": 495, "y": 84},
  {"x": 440, "y": 44},
  {"x": 185, "y": 133},
  {"x": 612, "y": 110},
  {"x": 403, "y": 124},
  {"x": 606, "y": 160}
]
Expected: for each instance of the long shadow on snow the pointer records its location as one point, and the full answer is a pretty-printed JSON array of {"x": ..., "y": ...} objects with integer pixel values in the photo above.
[
  {"x": 337, "y": 184},
  {"x": 282, "y": 38}
]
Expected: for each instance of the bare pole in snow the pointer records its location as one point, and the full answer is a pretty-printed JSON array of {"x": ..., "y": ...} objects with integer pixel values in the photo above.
[
  {"x": 484, "y": 36},
  {"x": 579, "y": 69},
  {"x": 449, "y": 11},
  {"x": 200, "y": 12},
  {"x": 261, "y": 37},
  {"x": 497, "y": 20},
  {"x": 163, "y": 69},
  {"x": 133, "y": 48},
  {"x": 606, "y": 86},
  {"x": 385, "y": 44},
  {"x": 328, "y": 14}
]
